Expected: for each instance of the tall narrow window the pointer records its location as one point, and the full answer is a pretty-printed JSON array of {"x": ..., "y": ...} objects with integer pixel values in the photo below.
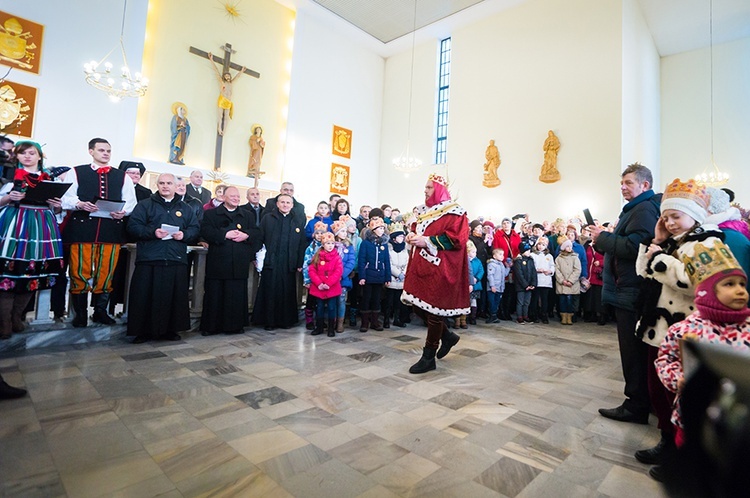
[{"x": 442, "y": 106}]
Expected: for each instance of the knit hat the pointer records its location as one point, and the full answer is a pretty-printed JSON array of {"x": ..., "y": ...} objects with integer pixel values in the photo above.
[
  {"x": 706, "y": 267},
  {"x": 506, "y": 219},
  {"x": 470, "y": 246},
  {"x": 375, "y": 223},
  {"x": 688, "y": 197},
  {"x": 566, "y": 245},
  {"x": 327, "y": 237},
  {"x": 488, "y": 223},
  {"x": 396, "y": 229},
  {"x": 320, "y": 227},
  {"x": 350, "y": 222},
  {"x": 338, "y": 226},
  {"x": 574, "y": 227},
  {"x": 474, "y": 224},
  {"x": 376, "y": 212},
  {"x": 523, "y": 247},
  {"x": 718, "y": 200}
]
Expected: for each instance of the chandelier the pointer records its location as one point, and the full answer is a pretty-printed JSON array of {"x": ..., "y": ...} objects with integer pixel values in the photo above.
[
  {"x": 117, "y": 84},
  {"x": 711, "y": 175},
  {"x": 405, "y": 162}
]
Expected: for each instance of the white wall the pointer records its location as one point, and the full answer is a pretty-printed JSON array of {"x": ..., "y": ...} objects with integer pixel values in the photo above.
[
  {"x": 544, "y": 65},
  {"x": 686, "y": 114},
  {"x": 640, "y": 93},
  {"x": 69, "y": 112},
  {"x": 334, "y": 81}
]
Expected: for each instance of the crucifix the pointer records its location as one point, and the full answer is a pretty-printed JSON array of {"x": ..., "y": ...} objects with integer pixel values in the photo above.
[{"x": 226, "y": 106}]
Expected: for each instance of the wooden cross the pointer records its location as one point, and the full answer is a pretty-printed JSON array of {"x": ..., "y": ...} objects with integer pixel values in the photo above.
[{"x": 227, "y": 64}]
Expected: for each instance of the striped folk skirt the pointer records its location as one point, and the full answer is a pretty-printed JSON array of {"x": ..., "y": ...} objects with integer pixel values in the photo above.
[{"x": 31, "y": 255}]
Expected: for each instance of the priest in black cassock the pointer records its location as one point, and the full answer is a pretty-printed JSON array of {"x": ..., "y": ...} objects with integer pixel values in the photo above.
[
  {"x": 232, "y": 243},
  {"x": 164, "y": 226},
  {"x": 284, "y": 238}
]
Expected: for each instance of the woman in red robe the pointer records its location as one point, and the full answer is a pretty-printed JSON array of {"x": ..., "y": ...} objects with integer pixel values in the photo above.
[{"x": 437, "y": 276}]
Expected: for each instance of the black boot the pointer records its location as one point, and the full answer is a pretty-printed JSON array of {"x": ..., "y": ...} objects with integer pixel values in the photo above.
[
  {"x": 319, "y": 327},
  {"x": 425, "y": 363},
  {"x": 331, "y": 327},
  {"x": 375, "y": 321},
  {"x": 447, "y": 341},
  {"x": 386, "y": 322},
  {"x": 473, "y": 316},
  {"x": 352, "y": 317},
  {"x": 100, "y": 309},
  {"x": 365, "y": 321},
  {"x": 10, "y": 392},
  {"x": 81, "y": 309},
  {"x": 655, "y": 455}
]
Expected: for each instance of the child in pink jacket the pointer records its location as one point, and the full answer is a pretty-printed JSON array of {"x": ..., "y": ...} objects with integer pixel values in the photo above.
[{"x": 325, "y": 271}]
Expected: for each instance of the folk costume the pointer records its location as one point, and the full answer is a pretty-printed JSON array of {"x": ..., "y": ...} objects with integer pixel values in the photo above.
[
  {"x": 158, "y": 304},
  {"x": 284, "y": 238},
  {"x": 225, "y": 306},
  {"x": 94, "y": 242},
  {"x": 437, "y": 278},
  {"x": 31, "y": 254}
]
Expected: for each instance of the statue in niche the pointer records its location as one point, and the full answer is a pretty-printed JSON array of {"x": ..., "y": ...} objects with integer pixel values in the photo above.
[
  {"x": 226, "y": 106},
  {"x": 180, "y": 129},
  {"x": 490, "y": 167},
  {"x": 257, "y": 146},
  {"x": 549, "y": 173}
]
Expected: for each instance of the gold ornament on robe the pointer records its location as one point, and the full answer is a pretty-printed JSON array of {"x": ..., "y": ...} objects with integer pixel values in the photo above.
[
  {"x": 551, "y": 147},
  {"x": 492, "y": 155}
]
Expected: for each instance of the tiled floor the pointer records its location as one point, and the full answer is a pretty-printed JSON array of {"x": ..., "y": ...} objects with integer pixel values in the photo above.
[{"x": 512, "y": 411}]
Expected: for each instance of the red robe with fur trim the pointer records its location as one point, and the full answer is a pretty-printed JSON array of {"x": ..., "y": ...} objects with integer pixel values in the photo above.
[{"x": 437, "y": 278}]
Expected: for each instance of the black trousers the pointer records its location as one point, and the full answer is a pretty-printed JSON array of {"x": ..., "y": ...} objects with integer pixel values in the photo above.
[
  {"x": 539, "y": 302},
  {"x": 634, "y": 358}
]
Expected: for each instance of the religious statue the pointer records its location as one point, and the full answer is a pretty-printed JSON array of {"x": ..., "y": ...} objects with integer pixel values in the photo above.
[
  {"x": 550, "y": 174},
  {"x": 180, "y": 129},
  {"x": 226, "y": 106},
  {"x": 490, "y": 167},
  {"x": 257, "y": 145}
]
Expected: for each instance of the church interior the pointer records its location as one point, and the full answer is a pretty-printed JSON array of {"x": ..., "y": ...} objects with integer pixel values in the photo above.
[{"x": 514, "y": 411}]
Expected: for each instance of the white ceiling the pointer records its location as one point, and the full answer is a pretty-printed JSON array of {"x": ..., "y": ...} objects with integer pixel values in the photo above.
[{"x": 676, "y": 25}]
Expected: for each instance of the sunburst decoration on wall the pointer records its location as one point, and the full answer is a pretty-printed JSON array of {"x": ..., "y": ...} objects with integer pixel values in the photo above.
[{"x": 231, "y": 8}]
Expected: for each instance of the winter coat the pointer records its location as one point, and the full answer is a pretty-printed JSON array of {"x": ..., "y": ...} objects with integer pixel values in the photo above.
[
  {"x": 621, "y": 283},
  {"x": 349, "y": 260},
  {"x": 484, "y": 252},
  {"x": 227, "y": 259},
  {"x": 581, "y": 253},
  {"x": 524, "y": 273},
  {"x": 596, "y": 265},
  {"x": 476, "y": 273},
  {"x": 373, "y": 260},
  {"x": 507, "y": 242},
  {"x": 668, "y": 295},
  {"x": 543, "y": 261},
  {"x": 151, "y": 214},
  {"x": 568, "y": 267},
  {"x": 399, "y": 262},
  {"x": 310, "y": 227},
  {"x": 271, "y": 224},
  {"x": 328, "y": 270},
  {"x": 496, "y": 275},
  {"x": 310, "y": 251}
]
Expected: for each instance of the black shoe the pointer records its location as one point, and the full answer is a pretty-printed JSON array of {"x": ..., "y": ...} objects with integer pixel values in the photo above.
[
  {"x": 492, "y": 320},
  {"x": 655, "y": 455},
  {"x": 425, "y": 363},
  {"x": 622, "y": 414},
  {"x": 448, "y": 340},
  {"x": 140, "y": 339},
  {"x": 10, "y": 392},
  {"x": 657, "y": 473},
  {"x": 398, "y": 323},
  {"x": 173, "y": 337},
  {"x": 545, "y": 321},
  {"x": 101, "y": 316},
  {"x": 602, "y": 321}
]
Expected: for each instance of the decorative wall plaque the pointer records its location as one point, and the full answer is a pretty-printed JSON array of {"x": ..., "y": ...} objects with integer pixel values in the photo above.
[
  {"x": 342, "y": 142},
  {"x": 20, "y": 42}
]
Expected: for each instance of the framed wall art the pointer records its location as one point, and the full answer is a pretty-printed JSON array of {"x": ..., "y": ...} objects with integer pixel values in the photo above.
[
  {"x": 20, "y": 42},
  {"x": 339, "y": 179},
  {"x": 342, "y": 142},
  {"x": 17, "y": 105}
]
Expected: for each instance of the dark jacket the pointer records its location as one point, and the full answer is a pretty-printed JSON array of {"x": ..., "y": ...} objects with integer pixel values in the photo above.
[
  {"x": 484, "y": 252},
  {"x": 151, "y": 214},
  {"x": 255, "y": 220},
  {"x": 195, "y": 205},
  {"x": 524, "y": 273},
  {"x": 374, "y": 260},
  {"x": 227, "y": 259},
  {"x": 141, "y": 192},
  {"x": 271, "y": 225},
  {"x": 203, "y": 197},
  {"x": 298, "y": 210},
  {"x": 635, "y": 226}
]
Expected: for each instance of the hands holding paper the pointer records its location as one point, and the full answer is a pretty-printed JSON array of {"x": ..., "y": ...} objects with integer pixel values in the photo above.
[{"x": 168, "y": 232}]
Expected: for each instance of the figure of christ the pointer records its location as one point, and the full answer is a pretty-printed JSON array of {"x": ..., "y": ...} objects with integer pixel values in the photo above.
[{"x": 226, "y": 106}]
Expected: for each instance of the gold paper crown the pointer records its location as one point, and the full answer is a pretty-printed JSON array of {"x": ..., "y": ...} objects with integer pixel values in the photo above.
[
  {"x": 689, "y": 190},
  {"x": 706, "y": 262},
  {"x": 396, "y": 227},
  {"x": 435, "y": 178}
]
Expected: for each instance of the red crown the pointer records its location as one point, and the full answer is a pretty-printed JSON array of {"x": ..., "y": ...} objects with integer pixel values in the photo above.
[{"x": 435, "y": 178}]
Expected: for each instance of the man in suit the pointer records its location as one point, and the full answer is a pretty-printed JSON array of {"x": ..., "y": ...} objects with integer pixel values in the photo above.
[
  {"x": 196, "y": 190},
  {"x": 298, "y": 209},
  {"x": 255, "y": 209},
  {"x": 253, "y": 205}
]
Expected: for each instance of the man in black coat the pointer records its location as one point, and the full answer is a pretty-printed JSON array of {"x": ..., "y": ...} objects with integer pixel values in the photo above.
[
  {"x": 621, "y": 286},
  {"x": 276, "y": 303},
  {"x": 196, "y": 189},
  {"x": 164, "y": 226},
  {"x": 232, "y": 243},
  {"x": 253, "y": 206},
  {"x": 298, "y": 209}
]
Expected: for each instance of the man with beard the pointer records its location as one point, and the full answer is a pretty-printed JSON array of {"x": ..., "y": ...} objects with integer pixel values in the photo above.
[{"x": 437, "y": 276}]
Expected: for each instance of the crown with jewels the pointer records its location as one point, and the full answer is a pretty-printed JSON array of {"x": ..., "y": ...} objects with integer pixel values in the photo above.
[
  {"x": 689, "y": 190},
  {"x": 435, "y": 178},
  {"x": 706, "y": 262}
]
